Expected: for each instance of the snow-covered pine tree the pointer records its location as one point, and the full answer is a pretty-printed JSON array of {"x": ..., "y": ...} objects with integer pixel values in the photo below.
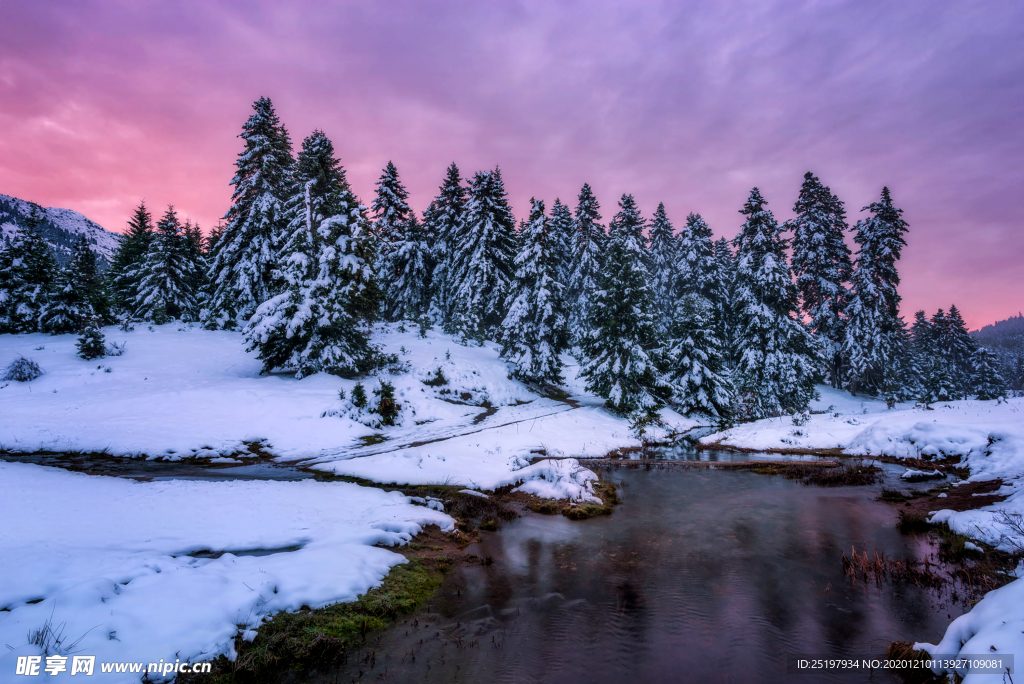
[
  {"x": 325, "y": 274},
  {"x": 778, "y": 362},
  {"x": 78, "y": 294},
  {"x": 725, "y": 276},
  {"x": 166, "y": 276},
  {"x": 406, "y": 268},
  {"x": 131, "y": 251},
  {"x": 821, "y": 263},
  {"x": 243, "y": 260},
  {"x": 662, "y": 262},
  {"x": 27, "y": 272},
  {"x": 198, "y": 267},
  {"x": 938, "y": 383},
  {"x": 444, "y": 222},
  {"x": 560, "y": 237},
  {"x": 624, "y": 360},
  {"x": 698, "y": 269},
  {"x": 534, "y": 332},
  {"x": 960, "y": 350},
  {"x": 483, "y": 259},
  {"x": 587, "y": 256},
  {"x": 872, "y": 308},
  {"x": 391, "y": 216},
  {"x": 988, "y": 383},
  {"x": 695, "y": 359},
  {"x": 390, "y": 209}
]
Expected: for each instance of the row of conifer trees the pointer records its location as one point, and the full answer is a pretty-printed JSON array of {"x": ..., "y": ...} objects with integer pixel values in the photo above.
[{"x": 656, "y": 317}]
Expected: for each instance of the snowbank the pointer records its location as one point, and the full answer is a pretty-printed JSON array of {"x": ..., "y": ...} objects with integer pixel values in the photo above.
[{"x": 110, "y": 558}]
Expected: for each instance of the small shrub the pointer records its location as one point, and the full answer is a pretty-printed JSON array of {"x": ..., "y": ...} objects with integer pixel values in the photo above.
[
  {"x": 341, "y": 394},
  {"x": 437, "y": 380},
  {"x": 387, "y": 407},
  {"x": 91, "y": 344},
  {"x": 22, "y": 370},
  {"x": 425, "y": 324},
  {"x": 801, "y": 418},
  {"x": 115, "y": 349},
  {"x": 359, "y": 396}
]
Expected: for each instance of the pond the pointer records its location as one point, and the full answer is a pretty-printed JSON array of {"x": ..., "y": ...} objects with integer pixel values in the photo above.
[{"x": 699, "y": 575}]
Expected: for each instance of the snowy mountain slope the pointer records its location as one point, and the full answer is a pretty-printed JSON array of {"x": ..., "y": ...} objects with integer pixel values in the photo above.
[{"x": 60, "y": 227}]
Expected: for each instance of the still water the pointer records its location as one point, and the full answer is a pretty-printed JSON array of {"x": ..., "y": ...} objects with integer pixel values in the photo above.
[{"x": 698, "y": 576}]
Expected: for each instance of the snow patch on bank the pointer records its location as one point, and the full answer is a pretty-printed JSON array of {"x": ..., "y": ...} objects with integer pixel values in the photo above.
[{"x": 110, "y": 558}]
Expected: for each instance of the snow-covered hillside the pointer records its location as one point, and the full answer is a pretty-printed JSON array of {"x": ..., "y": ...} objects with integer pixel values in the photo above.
[{"x": 60, "y": 227}]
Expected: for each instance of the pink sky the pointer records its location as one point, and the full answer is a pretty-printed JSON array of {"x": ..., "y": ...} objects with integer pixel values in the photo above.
[{"x": 106, "y": 103}]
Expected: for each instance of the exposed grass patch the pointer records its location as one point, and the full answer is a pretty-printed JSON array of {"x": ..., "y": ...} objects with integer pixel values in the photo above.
[
  {"x": 912, "y": 522},
  {"x": 295, "y": 644},
  {"x": 844, "y": 475}
]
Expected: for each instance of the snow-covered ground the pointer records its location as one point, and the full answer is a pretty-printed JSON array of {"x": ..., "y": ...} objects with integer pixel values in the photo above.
[
  {"x": 989, "y": 435},
  {"x": 110, "y": 559}
]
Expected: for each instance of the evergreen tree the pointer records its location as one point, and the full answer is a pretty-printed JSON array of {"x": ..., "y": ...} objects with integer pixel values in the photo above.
[
  {"x": 406, "y": 268},
  {"x": 390, "y": 209},
  {"x": 778, "y": 364},
  {"x": 663, "y": 256},
  {"x": 483, "y": 258},
  {"x": 696, "y": 359},
  {"x": 196, "y": 265},
  {"x": 78, "y": 295},
  {"x": 624, "y": 361},
  {"x": 988, "y": 383},
  {"x": 699, "y": 269},
  {"x": 725, "y": 276},
  {"x": 167, "y": 275},
  {"x": 960, "y": 352},
  {"x": 131, "y": 251},
  {"x": 242, "y": 263},
  {"x": 872, "y": 311},
  {"x": 534, "y": 332},
  {"x": 560, "y": 237},
  {"x": 90, "y": 343},
  {"x": 27, "y": 271},
  {"x": 444, "y": 222},
  {"x": 325, "y": 275},
  {"x": 391, "y": 213},
  {"x": 821, "y": 263},
  {"x": 938, "y": 383},
  {"x": 587, "y": 257}
]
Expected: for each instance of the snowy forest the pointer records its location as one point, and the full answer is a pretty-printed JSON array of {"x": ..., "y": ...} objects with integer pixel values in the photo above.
[{"x": 656, "y": 316}]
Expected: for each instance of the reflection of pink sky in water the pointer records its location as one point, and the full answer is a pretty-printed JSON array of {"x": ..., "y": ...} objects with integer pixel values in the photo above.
[{"x": 102, "y": 104}]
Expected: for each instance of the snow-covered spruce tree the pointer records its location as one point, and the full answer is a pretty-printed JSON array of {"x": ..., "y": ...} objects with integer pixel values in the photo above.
[
  {"x": 27, "y": 272},
  {"x": 444, "y": 222},
  {"x": 872, "y": 309},
  {"x": 938, "y": 383},
  {"x": 696, "y": 361},
  {"x": 243, "y": 260},
  {"x": 822, "y": 266},
  {"x": 198, "y": 267},
  {"x": 560, "y": 237},
  {"x": 988, "y": 383},
  {"x": 777, "y": 363},
  {"x": 78, "y": 294},
  {"x": 131, "y": 251},
  {"x": 624, "y": 360},
  {"x": 534, "y": 332},
  {"x": 483, "y": 259},
  {"x": 662, "y": 262},
  {"x": 325, "y": 275},
  {"x": 698, "y": 270},
  {"x": 959, "y": 349},
  {"x": 90, "y": 343},
  {"x": 725, "y": 276},
  {"x": 406, "y": 268},
  {"x": 166, "y": 276},
  {"x": 587, "y": 256},
  {"x": 391, "y": 216}
]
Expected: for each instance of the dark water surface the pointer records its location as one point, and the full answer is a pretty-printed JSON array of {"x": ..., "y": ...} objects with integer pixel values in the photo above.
[{"x": 698, "y": 576}]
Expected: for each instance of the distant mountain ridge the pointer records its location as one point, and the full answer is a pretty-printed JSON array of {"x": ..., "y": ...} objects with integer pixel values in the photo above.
[
  {"x": 1006, "y": 339},
  {"x": 60, "y": 228}
]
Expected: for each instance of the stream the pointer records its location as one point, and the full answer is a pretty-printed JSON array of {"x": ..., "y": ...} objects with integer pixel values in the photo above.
[{"x": 698, "y": 576}]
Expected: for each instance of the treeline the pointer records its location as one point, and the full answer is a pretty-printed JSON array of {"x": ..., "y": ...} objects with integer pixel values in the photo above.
[{"x": 656, "y": 317}]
